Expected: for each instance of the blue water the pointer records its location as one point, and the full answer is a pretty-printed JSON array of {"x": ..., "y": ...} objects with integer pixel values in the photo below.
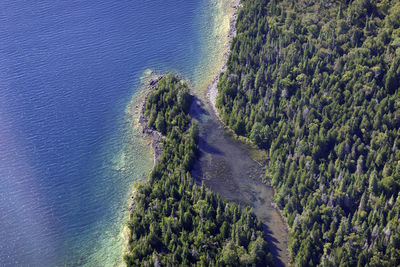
[{"x": 67, "y": 71}]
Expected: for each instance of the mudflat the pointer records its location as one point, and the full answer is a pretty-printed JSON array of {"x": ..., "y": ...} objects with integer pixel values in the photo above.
[{"x": 226, "y": 166}]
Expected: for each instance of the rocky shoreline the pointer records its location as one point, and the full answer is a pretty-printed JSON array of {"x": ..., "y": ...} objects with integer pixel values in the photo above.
[
  {"x": 148, "y": 133},
  {"x": 153, "y": 137},
  {"x": 155, "y": 142},
  {"x": 212, "y": 90}
]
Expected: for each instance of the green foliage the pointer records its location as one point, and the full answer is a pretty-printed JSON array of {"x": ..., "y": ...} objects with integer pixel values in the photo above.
[
  {"x": 167, "y": 106},
  {"x": 316, "y": 84},
  {"x": 174, "y": 222}
]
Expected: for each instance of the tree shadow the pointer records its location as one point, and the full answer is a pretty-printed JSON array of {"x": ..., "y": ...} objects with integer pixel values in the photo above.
[
  {"x": 198, "y": 109},
  {"x": 272, "y": 246},
  {"x": 207, "y": 148}
]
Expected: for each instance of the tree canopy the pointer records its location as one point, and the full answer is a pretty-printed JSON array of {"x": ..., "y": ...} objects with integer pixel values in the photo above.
[{"x": 316, "y": 84}]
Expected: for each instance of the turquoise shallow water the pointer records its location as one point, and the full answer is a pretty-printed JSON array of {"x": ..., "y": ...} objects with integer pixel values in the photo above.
[{"x": 68, "y": 69}]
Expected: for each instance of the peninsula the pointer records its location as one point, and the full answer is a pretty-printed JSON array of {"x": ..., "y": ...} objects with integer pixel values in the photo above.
[
  {"x": 175, "y": 222},
  {"x": 314, "y": 85}
]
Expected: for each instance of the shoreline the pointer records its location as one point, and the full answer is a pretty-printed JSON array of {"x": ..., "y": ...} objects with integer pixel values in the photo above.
[
  {"x": 212, "y": 90},
  {"x": 151, "y": 136},
  {"x": 148, "y": 133},
  {"x": 154, "y": 140}
]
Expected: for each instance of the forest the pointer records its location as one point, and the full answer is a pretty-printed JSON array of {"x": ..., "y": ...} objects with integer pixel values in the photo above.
[
  {"x": 175, "y": 222},
  {"x": 316, "y": 84}
]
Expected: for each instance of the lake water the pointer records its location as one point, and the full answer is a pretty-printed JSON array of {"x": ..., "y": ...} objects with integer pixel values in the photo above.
[{"x": 68, "y": 69}]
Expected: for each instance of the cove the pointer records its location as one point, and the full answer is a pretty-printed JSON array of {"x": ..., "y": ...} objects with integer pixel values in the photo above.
[{"x": 226, "y": 165}]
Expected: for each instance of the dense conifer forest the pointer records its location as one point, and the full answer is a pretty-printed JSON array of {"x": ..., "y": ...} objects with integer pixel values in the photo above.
[
  {"x": 175, "y": 222},
  {"x": 316, "y": 84}
]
